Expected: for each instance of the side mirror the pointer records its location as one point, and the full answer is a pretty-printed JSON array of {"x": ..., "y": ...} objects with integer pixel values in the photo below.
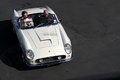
[{"x": 60, "y": 20}]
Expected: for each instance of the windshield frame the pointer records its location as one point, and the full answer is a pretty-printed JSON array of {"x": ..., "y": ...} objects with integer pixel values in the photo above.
[{"x": 33, "y": 15}]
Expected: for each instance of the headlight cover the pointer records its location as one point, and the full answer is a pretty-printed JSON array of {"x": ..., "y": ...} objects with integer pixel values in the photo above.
[
  {"x": 29, "y": 54},
  {"x": 68, "y": 48}
]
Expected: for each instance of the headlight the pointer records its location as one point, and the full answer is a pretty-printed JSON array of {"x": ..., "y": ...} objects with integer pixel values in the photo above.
[
  {"x": 29, "y": 54},
  {"x": 68, "y": 48}
]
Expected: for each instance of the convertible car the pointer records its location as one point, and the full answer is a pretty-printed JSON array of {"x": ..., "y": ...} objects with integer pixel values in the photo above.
[{"x": 44, "y": 43}]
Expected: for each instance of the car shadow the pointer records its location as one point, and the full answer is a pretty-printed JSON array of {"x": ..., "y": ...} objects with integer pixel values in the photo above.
[{"x": 10, "y": 52}]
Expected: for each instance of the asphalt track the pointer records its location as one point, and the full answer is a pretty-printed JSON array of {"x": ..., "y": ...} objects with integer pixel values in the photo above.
[{"x": 93, "y": 27}]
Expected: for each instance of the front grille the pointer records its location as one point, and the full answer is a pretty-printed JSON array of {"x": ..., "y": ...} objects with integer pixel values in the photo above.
[{"x": 51, "y": 59}]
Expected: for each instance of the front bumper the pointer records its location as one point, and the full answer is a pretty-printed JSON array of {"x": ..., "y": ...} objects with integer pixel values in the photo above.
[{"x": 48, "y": 64}]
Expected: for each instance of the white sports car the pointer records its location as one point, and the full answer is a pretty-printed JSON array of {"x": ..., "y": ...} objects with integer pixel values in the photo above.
[{"x": 44, "y": 43}]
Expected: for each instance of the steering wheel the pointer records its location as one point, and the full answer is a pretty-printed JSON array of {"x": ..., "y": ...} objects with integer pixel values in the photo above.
[{"x": 48, "y": 21}]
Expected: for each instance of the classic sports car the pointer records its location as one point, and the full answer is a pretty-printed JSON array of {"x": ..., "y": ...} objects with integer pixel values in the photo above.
[{"x": 42, "y": 44}]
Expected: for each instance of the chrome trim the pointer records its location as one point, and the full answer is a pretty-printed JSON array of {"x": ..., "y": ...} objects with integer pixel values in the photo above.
[{"x": 48, "y": 64}]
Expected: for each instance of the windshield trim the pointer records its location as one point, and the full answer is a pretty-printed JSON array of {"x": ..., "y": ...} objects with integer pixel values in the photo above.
[{"x": 33, "y": 15}]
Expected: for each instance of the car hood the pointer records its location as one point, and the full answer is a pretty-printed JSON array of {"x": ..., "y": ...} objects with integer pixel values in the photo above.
[{"x": 42, "y": 36}]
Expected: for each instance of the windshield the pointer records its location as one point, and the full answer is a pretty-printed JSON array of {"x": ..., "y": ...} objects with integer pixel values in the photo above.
[{"x": 40, "y": 20}]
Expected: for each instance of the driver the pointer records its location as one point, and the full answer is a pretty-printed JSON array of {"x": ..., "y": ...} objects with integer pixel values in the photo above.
[
  {"x": 47, "y": 16},
  {"x": 25, "y": 21}
]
